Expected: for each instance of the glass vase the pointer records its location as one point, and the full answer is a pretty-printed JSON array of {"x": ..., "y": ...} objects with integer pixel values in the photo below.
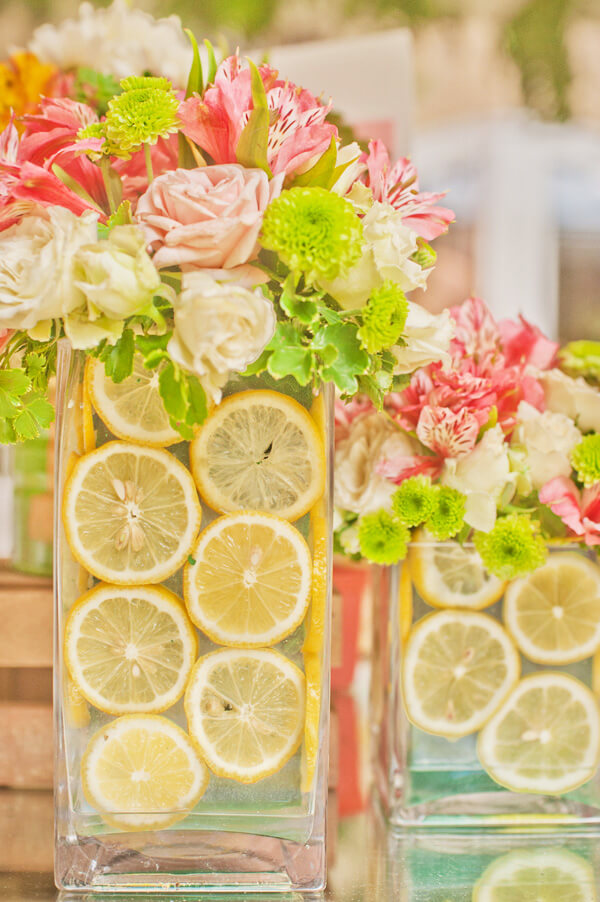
[
  {"x": 222, "y": 785},
  {"x": 485, "y": 693}
]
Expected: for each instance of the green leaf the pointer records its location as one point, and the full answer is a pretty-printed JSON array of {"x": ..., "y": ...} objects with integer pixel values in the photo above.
[
  {"x": 26, "y": 425},
  {"x": 172, "y": 391},
  {"x": 36, "y": 366},
  {"x": 121, "y": 216},
  {"x": 351, "y": 359},
  {"x": 212, "y": 62},
  {"x": 42, "y": 410},
  {"x": 9, "y": 405},
  {"x": 329, "y": 315},
  {"x": 195, "y": 83},
  {"x": 119, "y": 363},
  {"x": 8, "y": 436},
  {"x": 15, "y": 381},
  {"x": 259, "y": 366},
  {"x": 296, "y": 306},
  {"x": 321, "y": 175},
  {"x": 296, "y": 362},
  {"x": 198, "y": 408},
  {"x": 145, "y": 344},
  {"x": 155, "y": 358},
  {"x": 251, "y": 149}
]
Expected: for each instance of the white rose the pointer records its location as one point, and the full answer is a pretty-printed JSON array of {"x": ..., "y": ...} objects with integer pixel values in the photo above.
[
  {"x": 575, "y": 398},
  {"x": 358, "y": 487},
  {"x": 36, "y": 266},
  {"x": 219, "y": 329},
  {"x": 485, "y": 478},
  {"x": 117, "y": 41},
  {"x": 387, "y": 248},
  {"x": 427, "y": 337},
  {"x": 547, "y": 440},
  {"x": 117, "y": 276}
]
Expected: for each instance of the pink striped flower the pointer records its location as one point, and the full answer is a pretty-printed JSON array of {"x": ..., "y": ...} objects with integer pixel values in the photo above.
[{"x": 579, "y": 510}]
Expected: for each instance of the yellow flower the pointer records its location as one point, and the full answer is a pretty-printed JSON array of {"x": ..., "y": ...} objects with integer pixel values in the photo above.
[{"x": 23, "y": 80}]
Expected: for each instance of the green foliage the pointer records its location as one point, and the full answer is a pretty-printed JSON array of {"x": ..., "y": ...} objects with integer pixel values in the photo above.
[
  {"x": 24, "y": 408},
  {"x": 95, "y": 88}
]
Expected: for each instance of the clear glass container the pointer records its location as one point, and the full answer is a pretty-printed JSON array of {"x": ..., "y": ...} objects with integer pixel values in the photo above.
[
  {"x": 32, "y": 505},
  {"x": 238, "y": 837},
  {"x": 485, "y": 693}
]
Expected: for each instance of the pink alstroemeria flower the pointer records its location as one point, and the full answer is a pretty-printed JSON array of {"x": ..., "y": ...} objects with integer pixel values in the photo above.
[
  {"x": 5, "y": 337},
  {"x": 298, "y": 131},
  {"x": 476, "y": 332},
  {"x": 579, "y": 510},
  {"x": 523, "y": 343},
  {"x": 398, "y": 185}
]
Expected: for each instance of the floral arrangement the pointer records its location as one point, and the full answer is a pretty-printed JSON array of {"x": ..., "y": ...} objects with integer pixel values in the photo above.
[
  {"x": 213, "y": 223},
  {"x": 494, "y": 442}
]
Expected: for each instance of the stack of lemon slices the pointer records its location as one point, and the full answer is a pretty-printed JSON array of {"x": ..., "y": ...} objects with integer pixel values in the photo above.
[
  {"x": 132, "y": 515},
  {"x": 461, "y": 666}
]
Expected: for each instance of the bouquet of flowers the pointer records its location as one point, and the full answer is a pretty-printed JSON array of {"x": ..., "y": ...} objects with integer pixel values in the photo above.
[
  {"x": 212, "y": 227},
  {"x": 496, "y": 442}
]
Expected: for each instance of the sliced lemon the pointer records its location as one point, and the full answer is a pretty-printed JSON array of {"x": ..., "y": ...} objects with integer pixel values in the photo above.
[
  {"x": 405, "y": 601},
  {"x": 142, "y": 772},
  {"x": 545, "y": 738},
  {"x": 132, "y": 409},
  {"x": 553, "y": 613},
  {"x": 315, "y": 633},
  {"x": 249, "y": 585},
  {"x": 246, "y": 711},
  {"x": 131, "y": 514},
  {"x": 130, "y": 650},
  {"x": 458, "y": 668},
  {"x": 450, "y": 575},
  {"x": 537, "y": 875},
  {"x": 88, "y": 433},
  {"x": 259, "y": 450},
  {"x": 77, "y": 713},
  {"x": 310, "y": 751}
]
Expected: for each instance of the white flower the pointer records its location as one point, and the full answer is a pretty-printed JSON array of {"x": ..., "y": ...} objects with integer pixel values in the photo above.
[
  {"x": 358, "y": 487},
  {"x": 36, "y": 266},
  {"x": 117, "y": 276},
  {"x": 349, "y": 539},
  {"x": 387, "y": 249},
  {"x": 547, "y": 440},
  {"x": 485, "y": 478},
  {"x": 427, "y": 337},
  {"x": 575, "y": 398},
  {"x": 117, "y": 41},
  {"x": 219, "y": 329}
]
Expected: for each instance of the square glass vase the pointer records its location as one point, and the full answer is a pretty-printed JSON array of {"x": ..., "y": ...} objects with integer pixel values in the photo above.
[
  {"x": 485, "y": 693},
  {"x": 191, "y": 748}
]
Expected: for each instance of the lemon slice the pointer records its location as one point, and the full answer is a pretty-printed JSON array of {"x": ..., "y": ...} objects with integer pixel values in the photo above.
[
  {"x": 88, "y": 433},
  {"x": 245, "y": 711},
  {"x": 458, "y": 668},
  {"x": 132, "y": 409},
  {"x": 130, "y": 650},
  {"x": 131, "y": 514},
  {"x": 450, "y": 575},
  {"x": 545, "y": 738},
  {"x": 405, "y": 602},
  {"x": 537, "y": 875},
  {"x": 142, "y": 772},
  {"x": 249, "y": 585},
  {"x": 553, "y": 613},
  {"x": 259, "y": 450},
  {"x": 310, "y": 750},
  {"x": 315, "y": 633}
]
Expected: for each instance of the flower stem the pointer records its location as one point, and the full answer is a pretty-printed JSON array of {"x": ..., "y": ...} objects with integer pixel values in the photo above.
[
  {"x": 149, "y": 168},
  {"x": 105, "y": 168}
]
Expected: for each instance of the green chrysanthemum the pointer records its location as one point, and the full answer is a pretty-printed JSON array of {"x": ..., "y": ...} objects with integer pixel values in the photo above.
[
  {"x": 314, "y": 232},
  {"x": 447, "y": 518},
  {"x": 93, "y": 130},
  {"x": 425, "y": 256},
  {"x": 415, "y": 500},
  {"x": 384, "y": 318},
  {"x": 585, "y": 458},
  {"x": 143, "y": 113},
  {"x": 383, "y": 539},
  {"x": 512, "y": 548},
  {"x": 581, "y": 358}
]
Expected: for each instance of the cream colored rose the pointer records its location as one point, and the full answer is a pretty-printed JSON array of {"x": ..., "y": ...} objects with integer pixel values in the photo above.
[
  {"x": 219, "y": 329},
  {"x": 427, "y": 337},
  {"x": 36, "y": 266},
  {"x": 358, "y": 487},
  {"x": 575, "y": 398},
  {"x": 484, "y": 476},
  {"x": 547, "y": 440},
  {"x": 387, "y": 249},
  {"x": 116, "y": 275}
]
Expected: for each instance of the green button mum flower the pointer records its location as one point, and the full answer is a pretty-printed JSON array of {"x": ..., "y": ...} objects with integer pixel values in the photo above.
[
  {"x": 448, "y": 517},
  {"x": 585, "y": 458},
  {"x": 425, "y": 256},
  {"x": 315, "y": 233},
  {"x": 415, "y": 500},
  {"x": 512, "y": 548},
  {"x": 383, "y": 539},
  {"x": 581, "y": 358},
  {"x": 143, "y": 113},
  {"x": 384, "y": 318}
]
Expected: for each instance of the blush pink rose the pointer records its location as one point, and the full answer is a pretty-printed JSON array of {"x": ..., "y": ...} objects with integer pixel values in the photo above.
[
  {"x": 579, "y": 510},
  {"x": 206, "y": 218}
]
